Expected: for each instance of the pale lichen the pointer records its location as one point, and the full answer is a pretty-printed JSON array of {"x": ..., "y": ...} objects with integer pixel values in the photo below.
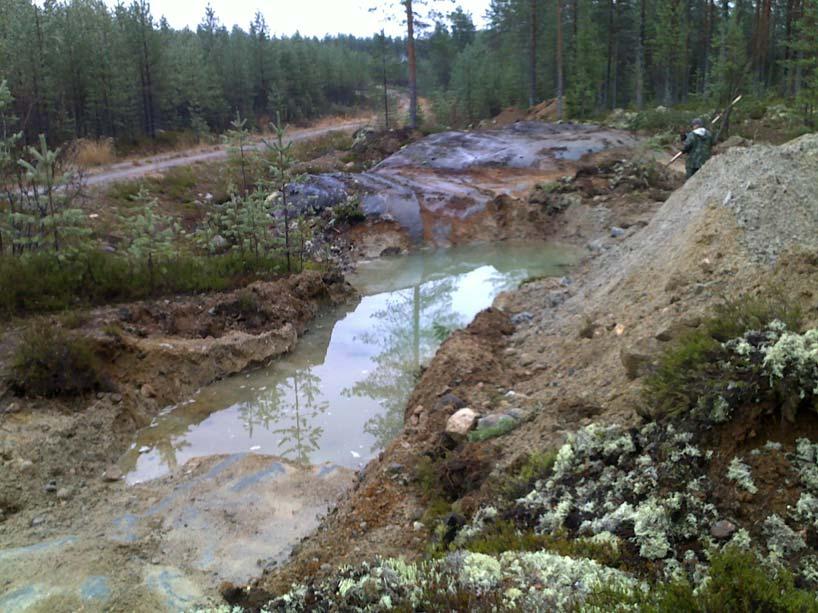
[{"x": 739, "y": 472}]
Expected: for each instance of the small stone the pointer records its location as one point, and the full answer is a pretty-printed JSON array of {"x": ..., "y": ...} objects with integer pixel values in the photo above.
[
  {"x": 636, "y": 362},
  {"x": 38, "y": 521},
  {"x": 112, "y": 473},
  {"x": 518, "y": 414},
  {"x": 418, "y": 526},
  {"x": 451, "y": 400},
  {"x": 665, "y": 334},
  {"x": 521, "y": 318},
  {"x": 722, "y": 529},
  {"x": 394, "y": 468},
  {"x": 459, "y": 424},
  {"x": 63, "y": 493},
  {"x": 116, "y": 398},
  {"x": 24, "y": 465},
  {"x": 147, "y": 391},
  {"x": 50, "y": 487},
  {"x": 616, "y": 232}
]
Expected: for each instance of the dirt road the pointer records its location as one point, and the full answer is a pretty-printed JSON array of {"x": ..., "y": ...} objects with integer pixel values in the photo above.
[{"x": 134, "y": 169}]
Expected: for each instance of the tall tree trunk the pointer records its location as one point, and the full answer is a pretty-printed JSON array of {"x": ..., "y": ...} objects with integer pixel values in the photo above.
[
  {"x": 413, "y": 69},
  {"x": 560, "y": 84},
  {"x": 708, "y": 43},
  {"x": 611, "y": 35},
  {"x": 532, "y": 54},
  {"x": 385, "y": 92},
  {"x": 640, "y": 59}
]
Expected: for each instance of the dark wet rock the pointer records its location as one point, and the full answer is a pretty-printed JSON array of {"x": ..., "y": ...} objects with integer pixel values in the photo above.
[
  {"x": 430, "y": 186},
  {"x": 450, "y": 400},
  {"x": 395, "y": 468},
  {"x": 391, "y": 251},
  {"x": 315, "y": 193},
  {"x": 722, "y": 529},
  {"x": 556, "y": 298},
  {"x": 518, "y": 414},
  {"x": 494, "y": 420},
  {"x": 521, "y": 318}
]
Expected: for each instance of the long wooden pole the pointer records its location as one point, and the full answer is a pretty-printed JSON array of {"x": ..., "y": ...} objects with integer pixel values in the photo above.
[{"x": 712, "y": 123}]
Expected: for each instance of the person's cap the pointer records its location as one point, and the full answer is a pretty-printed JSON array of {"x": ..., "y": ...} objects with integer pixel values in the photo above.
[{"x": 697, "y": 123}]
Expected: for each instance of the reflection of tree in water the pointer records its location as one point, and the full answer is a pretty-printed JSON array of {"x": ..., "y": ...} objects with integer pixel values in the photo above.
[
  {"x": 403, "y": 330},
  {"x": 294, "y": 400}
]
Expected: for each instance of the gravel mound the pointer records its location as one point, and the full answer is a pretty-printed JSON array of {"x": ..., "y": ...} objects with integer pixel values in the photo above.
[{"x": 772, "y": 191}]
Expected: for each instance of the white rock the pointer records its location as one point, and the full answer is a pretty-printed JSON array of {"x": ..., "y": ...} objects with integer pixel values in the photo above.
[{"x": 461, "y": 422}]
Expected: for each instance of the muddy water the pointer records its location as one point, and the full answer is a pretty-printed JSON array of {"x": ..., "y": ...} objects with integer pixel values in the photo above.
[
  {"x": 338, "y": 399},
  {"x": 226, "y": 483}
]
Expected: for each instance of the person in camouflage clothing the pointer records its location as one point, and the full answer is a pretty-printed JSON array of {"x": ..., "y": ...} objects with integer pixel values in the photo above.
[{"x": 697, "y": 146}]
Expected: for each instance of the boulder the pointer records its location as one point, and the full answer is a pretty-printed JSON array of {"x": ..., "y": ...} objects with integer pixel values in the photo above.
[{"x": 461, "y": 423}]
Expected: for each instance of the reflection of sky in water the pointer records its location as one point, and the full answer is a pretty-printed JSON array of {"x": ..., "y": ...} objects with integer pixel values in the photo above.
[{"x": 339, "y": 397}]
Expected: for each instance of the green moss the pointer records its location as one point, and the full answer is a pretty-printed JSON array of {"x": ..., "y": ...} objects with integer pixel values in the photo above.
[
  {"x": 503, "y": 426},
  {"x": 505, "y": 536}
]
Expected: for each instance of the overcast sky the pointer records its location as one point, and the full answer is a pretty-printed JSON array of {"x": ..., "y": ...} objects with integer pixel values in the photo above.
[{"x": 310, "y": 17}]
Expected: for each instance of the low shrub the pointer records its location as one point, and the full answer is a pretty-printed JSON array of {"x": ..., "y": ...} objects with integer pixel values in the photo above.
[
  {"x": 698, "y": 364},
  {"x": 312, "y": 148},
  {"x": 49, "y": 362},
  {"x": 737, "y": 582},
  {"x": 178, "y": 184},
  {"x": 349, "y": 211},
  {"x": 535, "y": 467},
  {"x": 90, "y": 153}
]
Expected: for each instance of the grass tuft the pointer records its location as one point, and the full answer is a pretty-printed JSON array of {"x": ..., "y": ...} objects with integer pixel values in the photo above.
[{"x": 49, "y": 362}]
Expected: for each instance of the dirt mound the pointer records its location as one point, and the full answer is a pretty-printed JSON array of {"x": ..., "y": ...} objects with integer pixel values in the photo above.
[{"x": 544, "y": 111}]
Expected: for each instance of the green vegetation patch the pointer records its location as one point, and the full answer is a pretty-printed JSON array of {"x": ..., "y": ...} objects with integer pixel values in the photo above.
[
  {"x": 43, "y": 282},
  {"x": 505, "y": 425},
  {"x": 49, "y": 362},
  {"x": 737, "y": 581},
  {"x": 702, "y": 366}
]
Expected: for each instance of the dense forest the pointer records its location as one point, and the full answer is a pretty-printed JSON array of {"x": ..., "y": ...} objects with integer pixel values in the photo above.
[
  {"x": 78, "y": 68},
  {"x": 82, "y": 69}
]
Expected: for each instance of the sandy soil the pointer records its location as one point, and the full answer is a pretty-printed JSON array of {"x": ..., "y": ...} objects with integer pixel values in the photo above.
[{"x": 133, "y": 169}]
